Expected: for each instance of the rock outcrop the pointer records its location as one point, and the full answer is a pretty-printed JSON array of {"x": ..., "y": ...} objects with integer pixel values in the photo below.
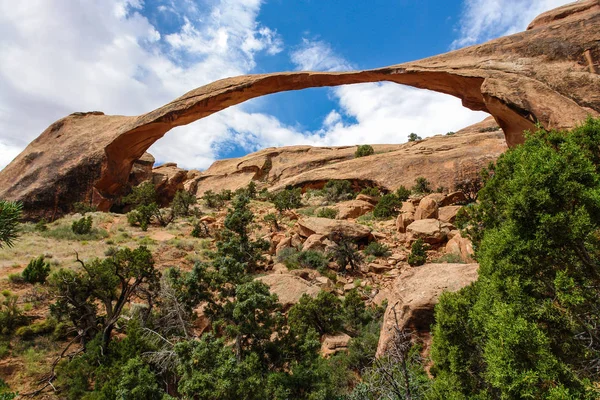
[
  {"x": 547, "y": 75},
  {"x": 415, "y": 293},
  {"x": 289, "y": 288}
]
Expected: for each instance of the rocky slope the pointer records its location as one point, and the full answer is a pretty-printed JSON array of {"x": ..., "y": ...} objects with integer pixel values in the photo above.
[{"x": 547, "y": 75}]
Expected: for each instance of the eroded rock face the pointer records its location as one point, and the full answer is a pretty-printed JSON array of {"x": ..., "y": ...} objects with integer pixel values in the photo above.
[
  {"x": 289, "y": 288},
  {"x": 415, "y": 293},
  {"x": 529, "y": 77},
  {"x": 328, "y": 227}
]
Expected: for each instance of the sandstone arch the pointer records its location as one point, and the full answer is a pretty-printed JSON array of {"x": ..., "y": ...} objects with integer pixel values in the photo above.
[{"x": 547, "y": 75}]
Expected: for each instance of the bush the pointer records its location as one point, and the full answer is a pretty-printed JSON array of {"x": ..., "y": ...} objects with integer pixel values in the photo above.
[
  {"x": 213, "y": 200},
  {"x": 346, "y": 253},
  {"x": 10, "y": 213},
  {"x": 377, "y": 249},
  {"x": 65, "y": 232},
  {"x": 144, "y": 194},
  {"x": 200, "y": 230},
  {"x": 417, "y": 255},
  {"x": 11, "y": 316},
  {"x": 337, "y": 190},
  {"x": 288, "y": 199},
  {"x": 83, "y": 208},
  {"x": 183, "y": 203},
  {"x": 36, "y": 271},
  {"x": 422, "y": 186},
  {"x": 82, "y": 226},
  {"x": 41, "y": 225},
  {"x": 413, "y": 137},
  {"x": 387, "y": 207},
  {"x": 450, "y": 133},
  {"x": 312, "y": 259},
  {"x": 271, "y": 219},
  {"x": 402, "y": 193},
  {"x": 327, "y": 212},
  {"x": 37, "y": 329},
  {"x": 371, "y": 191},
  {"x": 364, "y": 150}
]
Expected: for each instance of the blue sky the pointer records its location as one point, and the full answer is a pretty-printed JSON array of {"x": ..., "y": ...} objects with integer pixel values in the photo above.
[{"x": 131, "y": 56}]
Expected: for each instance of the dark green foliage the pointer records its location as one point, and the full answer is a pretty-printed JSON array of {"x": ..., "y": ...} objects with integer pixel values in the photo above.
[
  {"x": 489, "y": 129},
  {"x": 418, "y": 255},
  {"x": 294, "y": 259},
  {"x": 422, "y": 186},
  {"x": 212, "y": 200},
  {"x": 82, "y": 226},
  {"x": 138, "y": 382},
  {"x": 200, "y": 230},
  {"x": 364, "y": 150},
  {"x": 28, "y": 332},
  {"x": 110, "y": 282},
  {"x": 251, "y": 190},
  {"x": 402, "y": 193},
  {"x": 470, "y": 186},
  {"x": 345, "y": 253},
  {"x": 11, "y": 316},
  {"x": 83, "y": 208},
  {"x": 5, "y": 393},
  {"x": 144, "y": 194},
  {"x": 183, "y": 203},
  {"x": 387, "y": 207},
  {"x": 413, "y": 137},
  {"x": 36, "y": 271},
  {"x": 41, "y": 225},
  {"x": 338, "y": 190},
  {"x": 372, "y": 191},
  {"x": 287, "y": 199},
  {"x": 271, "y": 219},
  {"x": 142, "y": 215},
  {"x": 327, "y": 212},
  {"x": 450, "y": 133},
  {"x": 324, "y": 314},
  {"x": 528, "y": 327},
  {"x": 10, "y": 213},
  {"x": 377, "y": 249}
]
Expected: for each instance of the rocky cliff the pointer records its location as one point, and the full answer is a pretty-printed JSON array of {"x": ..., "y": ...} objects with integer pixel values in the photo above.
[{"x": 547, "y": 75}]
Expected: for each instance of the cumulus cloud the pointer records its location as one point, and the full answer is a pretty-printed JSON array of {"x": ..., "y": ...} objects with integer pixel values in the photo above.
[
  {"x": 317, "y": 55},
  {"x": 487, "y": 19},
  {"x": 59, "y": 57}
]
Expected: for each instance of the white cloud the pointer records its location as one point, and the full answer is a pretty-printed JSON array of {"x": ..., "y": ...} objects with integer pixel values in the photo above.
[
  {"x": 487, "y": 19},
  {"x": 317, "y": 55},
  {"x": 59, "y": 57}
]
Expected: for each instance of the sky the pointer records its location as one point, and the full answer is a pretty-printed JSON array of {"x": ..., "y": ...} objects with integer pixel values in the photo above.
[{"x": 128, "y": 57}]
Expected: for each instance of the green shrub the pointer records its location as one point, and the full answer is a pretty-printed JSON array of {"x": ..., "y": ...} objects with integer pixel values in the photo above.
[
  {"x": 327, "y": 212},
  {"x": 16, "y": 279},
  {"x": 364, "y": 150},
  {"x": 83, "y": 208},
  {"x": 65, "y": 232},
  {"x": 422, "y": 186},
  {"x": 289, "y": 257},
  {"x": 413, "y": 137},
  {"x": 10, "y": 213},
  {"x": 288, "y": 199},
  {"x": 346, "y": 253},
  {"x": 11, "y": 316},
  {"x": 213, "y": 200},
  {"x": 388, "y": 206},
  {"x": 143, "y": 194},
  {"x": 36, "y": 271},
  {"x": 142, "y": 215},
  {"x": 200, "y": 230},
  {"x": 41, "y": 225},
  {"x": 372, "y": 191},
  {"x": 271, "y": 219},
  {"x": 418, "y": 255},
  {"x": 82, "y": 226},
  {"x": 37, "y": 329},
  {"x": 337, "y": 190},
  {"x": 450, "y": 133},
  {"x": 402, "y": 193},
  {"x": 450, "y": 258},
  {"x": 312, "y": 259},
  {"x": 183, "y": 202},
  {"x": 377, "y": 249}
]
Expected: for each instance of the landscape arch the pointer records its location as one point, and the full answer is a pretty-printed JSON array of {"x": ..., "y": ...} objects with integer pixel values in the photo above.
[{"x": 521, "y": 80}]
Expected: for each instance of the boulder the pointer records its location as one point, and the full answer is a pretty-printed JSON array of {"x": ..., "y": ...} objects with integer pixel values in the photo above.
[
  {"x": 331, "y": 344},
  {"x": 379, "y": 268},
  {"x": 407, "y": 207},
  {"x": 460, "y": 246},
  {"x": 427, "y": 208},
  {"x": 403, "y": 221},
  {"x": 314, "y": 242},
  {"x": 326, "y": 227},
  {"x": 288, "y": 288},
  {"x": 369, "y": 199},
  {"x": 353, "y": 209},
  {"x": 453, "y": 198},
  {"x": 283, "y": 244},
  {"x": 431, "y": 231},
  {"x": 141, "y": 169},
  {"x": 414, "y": 294},
  {"x": 448, "y": 213},
  {"x": 168, "y": 179}
]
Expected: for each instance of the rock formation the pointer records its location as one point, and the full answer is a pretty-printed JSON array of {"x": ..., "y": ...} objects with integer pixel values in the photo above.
[{"x": 547, "y": 75}]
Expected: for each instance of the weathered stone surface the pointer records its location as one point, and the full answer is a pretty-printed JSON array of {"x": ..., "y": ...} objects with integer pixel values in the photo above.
[
  {"x": 427, "y": 208},
  {"x": 460, "y": 246},
  {"x": 453, "y": 198},
  {"x": 448, "y": 213},
  {"x": 526, "y": 78},
  {"x": 325, "y": 226},
  {"x": 368, "y": 199},
  {"x": 415, "y": 293},
  {"x": 168, "y": 179},
  {"x": 288, "y": 288},
  {"x": 331, "y": 344},
  {"x": 430, "y": 230},
  {"x": 403, "y": 221},
  {"x": 142, "y": 169},
  {"x": 353, "y": 209},
  {"x": 314, "y": 242}
]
